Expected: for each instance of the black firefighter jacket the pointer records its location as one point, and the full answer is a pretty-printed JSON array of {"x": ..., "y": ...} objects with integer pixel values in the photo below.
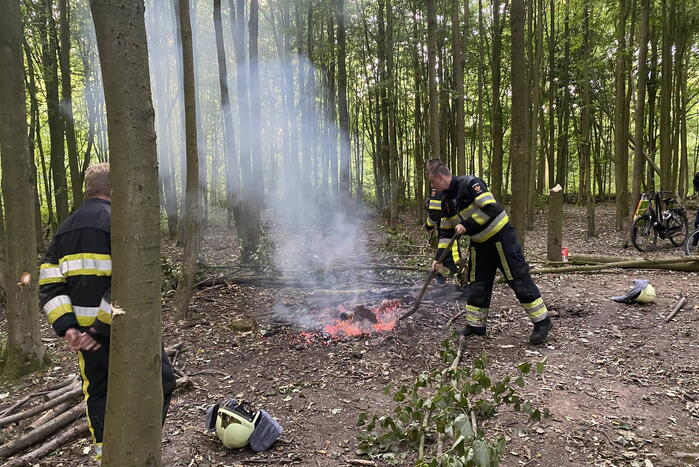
[{"x": 76, "y": 272}]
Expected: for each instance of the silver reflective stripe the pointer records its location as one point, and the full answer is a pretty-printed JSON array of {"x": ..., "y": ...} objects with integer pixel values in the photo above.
[
  {"x": 105, "y": 306},
  {"x": 484, "y": 199},
  {"x": 102, "y": 265},
  {"x": 87, "y": 311},
  {"x": 50, "y": 273},
  {"x": 56, "y": 302},
  {"x": 494, "y": 224},
  {"x": 475, "y": 316}
]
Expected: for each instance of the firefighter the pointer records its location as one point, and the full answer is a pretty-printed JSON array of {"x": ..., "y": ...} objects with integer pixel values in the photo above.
[
  {"x": 471, "y": 209},
  {"x": 432, "y": 223},
  {"x": 74, "y": 291}
]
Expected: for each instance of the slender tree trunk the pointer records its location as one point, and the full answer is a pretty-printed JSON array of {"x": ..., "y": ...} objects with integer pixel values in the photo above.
[
  {"x": 639, "y": 117},
  {"x": 585, "y": 124},
  {"x": 232, "y": 174},
  {"x": 535, "y": 68},
  {"x": 457, "y": 51},
  {"x": 432, "y": 79},
  {"x": 481, "y": 90},
  {"x": 342, "y": 96},
  {"x": 393, "y": 160},
  {"x": 668, "y": 15},
  {"x": 132, "y": 434},
  {"x": 519, "y": 151},
  {"x": 192, "y": 210},
  {"x": 419, "y": 152},
  {"x": 620, "y": 131},
  {"x": 552, "y": 96},
  {"x": 496, "y": 108},
  {"x": 25, "y": 351},
  {"x": 255, "y": 119},
  {"x": 56, "y": 132},
  {"x": 66, "y": 106}
]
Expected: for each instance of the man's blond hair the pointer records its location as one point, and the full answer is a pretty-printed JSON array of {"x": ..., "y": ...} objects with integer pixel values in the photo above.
[{"x": 97, "y": 180}]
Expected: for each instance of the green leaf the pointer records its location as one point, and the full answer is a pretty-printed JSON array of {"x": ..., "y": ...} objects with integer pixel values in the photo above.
[
  {"x": 481, "y": 453},
  {"x": 462, "y": 424},
  {"x": 519, "y": 381},
  {"x": 362, "y": 418},
  {"x": 525, "y": 368},
  {"x": 540, "y": 366}
]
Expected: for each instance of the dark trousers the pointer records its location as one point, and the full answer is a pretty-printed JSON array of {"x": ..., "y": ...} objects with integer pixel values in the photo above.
[
  {"x": 94, "y": 369},
  {"x": 503, "y": 252}
]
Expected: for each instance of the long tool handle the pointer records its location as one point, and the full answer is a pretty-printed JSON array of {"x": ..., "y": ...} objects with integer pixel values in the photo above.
[{"x": 418, "y": 300}]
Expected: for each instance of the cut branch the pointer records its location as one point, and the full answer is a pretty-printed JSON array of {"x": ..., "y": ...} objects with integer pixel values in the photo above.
[
  {"x": 677, "y": 308},
  {"x": 669, "y": 263},
  {"x": 40, "y": 408},
  {"x": 68, "y": 436}
]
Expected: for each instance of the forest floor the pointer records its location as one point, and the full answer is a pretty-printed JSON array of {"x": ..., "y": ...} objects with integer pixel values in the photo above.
[{"x": 622, "y": 386}]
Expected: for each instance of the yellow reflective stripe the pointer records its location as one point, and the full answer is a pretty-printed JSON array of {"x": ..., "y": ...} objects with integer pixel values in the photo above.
[
  {"x": 50, "y": 273},
  {"x": 476, "y": 315},
  {"x": 443, "y": 242},
  {"x": 104, "y": 317},
  {"x": 455, "y": 252},
  {"x": 472, "y": 277},
  {"x": 503, "y": 261},
  {"x": 104, "y": 314},
  {"x": 435, "y": 204},
  {"x": 430, "y": 223},
  {"x": 538, "y": 313},
  {"x": 494, "y": 227},
  {"x": 57, "y": 312},
  {"x": 84, "y": 264},
  {"x": 447, "y": 222},
  {"x": 480, "y": 217},
  {"x": 52, "y": 280},
  {"x": 85, "y": 320},
  {"x": 86, "y": 384},
  {"x": 529, "y": 306},
  {"x": 484, "y": 199},
  {"x": 57, "y": 307}
]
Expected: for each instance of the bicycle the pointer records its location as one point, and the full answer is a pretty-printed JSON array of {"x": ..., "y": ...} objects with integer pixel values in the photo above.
[
  {"x": 652, "y": 221},
  {"x": 691, "y": 245}
]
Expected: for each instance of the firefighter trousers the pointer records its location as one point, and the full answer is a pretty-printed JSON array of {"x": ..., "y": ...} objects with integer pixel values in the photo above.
[
  {"x": 94, "y": 369},
  {"x": 503, "y": 252}
]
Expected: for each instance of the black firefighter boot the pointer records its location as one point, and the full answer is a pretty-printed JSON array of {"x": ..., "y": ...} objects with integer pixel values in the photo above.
[
  {"x": 472, "y": 331},
  {"x": 541, "y": 330}
]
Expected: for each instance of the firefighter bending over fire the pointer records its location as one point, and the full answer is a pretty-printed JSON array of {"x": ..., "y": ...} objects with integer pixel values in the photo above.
[
  {"x": 74, "y": 290},
  {"x": 471, "y": 209},
  {"x": 433, "y": 225}
]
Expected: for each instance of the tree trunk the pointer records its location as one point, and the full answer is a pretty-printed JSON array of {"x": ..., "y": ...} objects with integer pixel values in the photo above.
[
  {"x": 58, "y": 170},
  {"x": 666, "y": 95},
  {"x": 555, "y": 226},
  {"x": 419, "y": 148},
  {"x": 232, "y": 174},
  {"x": 132, "y": 434},
  {"x": 255, "y": 120},
  {"x": 342, "y": 96},
  {"x": 586, "y": 123},
  {"x": 25, "y": 351},
  {"x": 432, "y": 79},
  {"x": 457, "y": 51},
  {"x": 639, "y": 116},
  {"x": 620, "y": 131},
  {"x": 496, "y": 108},
  {"x": 538, "y": 37},
  {"x": 76, "y": 176},
  {"x": 552, "y": 97},
  {"x": 519, "y": 151},
  {"x": 192, "y": 203}
]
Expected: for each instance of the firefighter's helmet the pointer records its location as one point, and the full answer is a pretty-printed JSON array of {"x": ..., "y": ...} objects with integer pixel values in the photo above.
[
  {"x": 641, "y": 292},
  {"x": 237, "y": 425}
]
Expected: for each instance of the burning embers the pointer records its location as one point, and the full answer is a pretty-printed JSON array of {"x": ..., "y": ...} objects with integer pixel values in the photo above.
[{"x": 343, "y": 321}]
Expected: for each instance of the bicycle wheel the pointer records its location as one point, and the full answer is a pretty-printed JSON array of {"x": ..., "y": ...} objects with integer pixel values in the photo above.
[
  {"x": 677, "y": 228},
  {"x": 643, "y": 235},
  {"x": 691, "y": 246}
]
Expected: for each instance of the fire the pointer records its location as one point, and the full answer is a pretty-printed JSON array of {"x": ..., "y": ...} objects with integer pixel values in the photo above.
[{"x": 386, "y": 317}]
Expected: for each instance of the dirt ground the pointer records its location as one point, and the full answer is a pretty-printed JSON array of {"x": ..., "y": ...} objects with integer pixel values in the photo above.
[{"x": 622, "y": 385}]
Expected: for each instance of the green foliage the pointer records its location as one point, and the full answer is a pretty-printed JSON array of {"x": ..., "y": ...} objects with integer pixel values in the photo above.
[
  {"x": 440, "y": 403},
  {"x": 168, "y": 275}
]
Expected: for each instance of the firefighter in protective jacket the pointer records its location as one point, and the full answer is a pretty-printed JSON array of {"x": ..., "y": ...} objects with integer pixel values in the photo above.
[
  {"x": 471, "y": 209},
  {"x": 74, "y": 292},
  {"x": 432, "y": 222}
]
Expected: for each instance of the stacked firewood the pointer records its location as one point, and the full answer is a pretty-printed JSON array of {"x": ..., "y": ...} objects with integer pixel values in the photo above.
[{"x": 57, "y": 410}]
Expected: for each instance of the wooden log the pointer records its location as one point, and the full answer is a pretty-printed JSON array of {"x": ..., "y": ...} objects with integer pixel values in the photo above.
[
  {"x": 631, "y": 264},
  {"x": 40, "y": 408},
  {"x": 51, "y": 414},
  {"x": 61, "y": 384},
  {"x": 60, "y": 391},
  {"x": 77, "y": 431},
  {"x": 19, "y": 444},
  {"x": 677, "y": 308},
  {"x": 15, "y": 406},
  {"x": 683, "y": 263}
]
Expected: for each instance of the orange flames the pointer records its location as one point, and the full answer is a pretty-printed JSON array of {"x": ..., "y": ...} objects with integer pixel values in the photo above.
[{"x": 386, "y": 316}]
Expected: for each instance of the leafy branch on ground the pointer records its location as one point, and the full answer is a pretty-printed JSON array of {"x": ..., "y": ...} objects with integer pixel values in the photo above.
[{"x": 447, "y": 408}]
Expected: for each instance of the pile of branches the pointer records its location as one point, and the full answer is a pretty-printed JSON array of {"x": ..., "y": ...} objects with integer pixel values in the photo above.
[{"x": 59, "y": 412}]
